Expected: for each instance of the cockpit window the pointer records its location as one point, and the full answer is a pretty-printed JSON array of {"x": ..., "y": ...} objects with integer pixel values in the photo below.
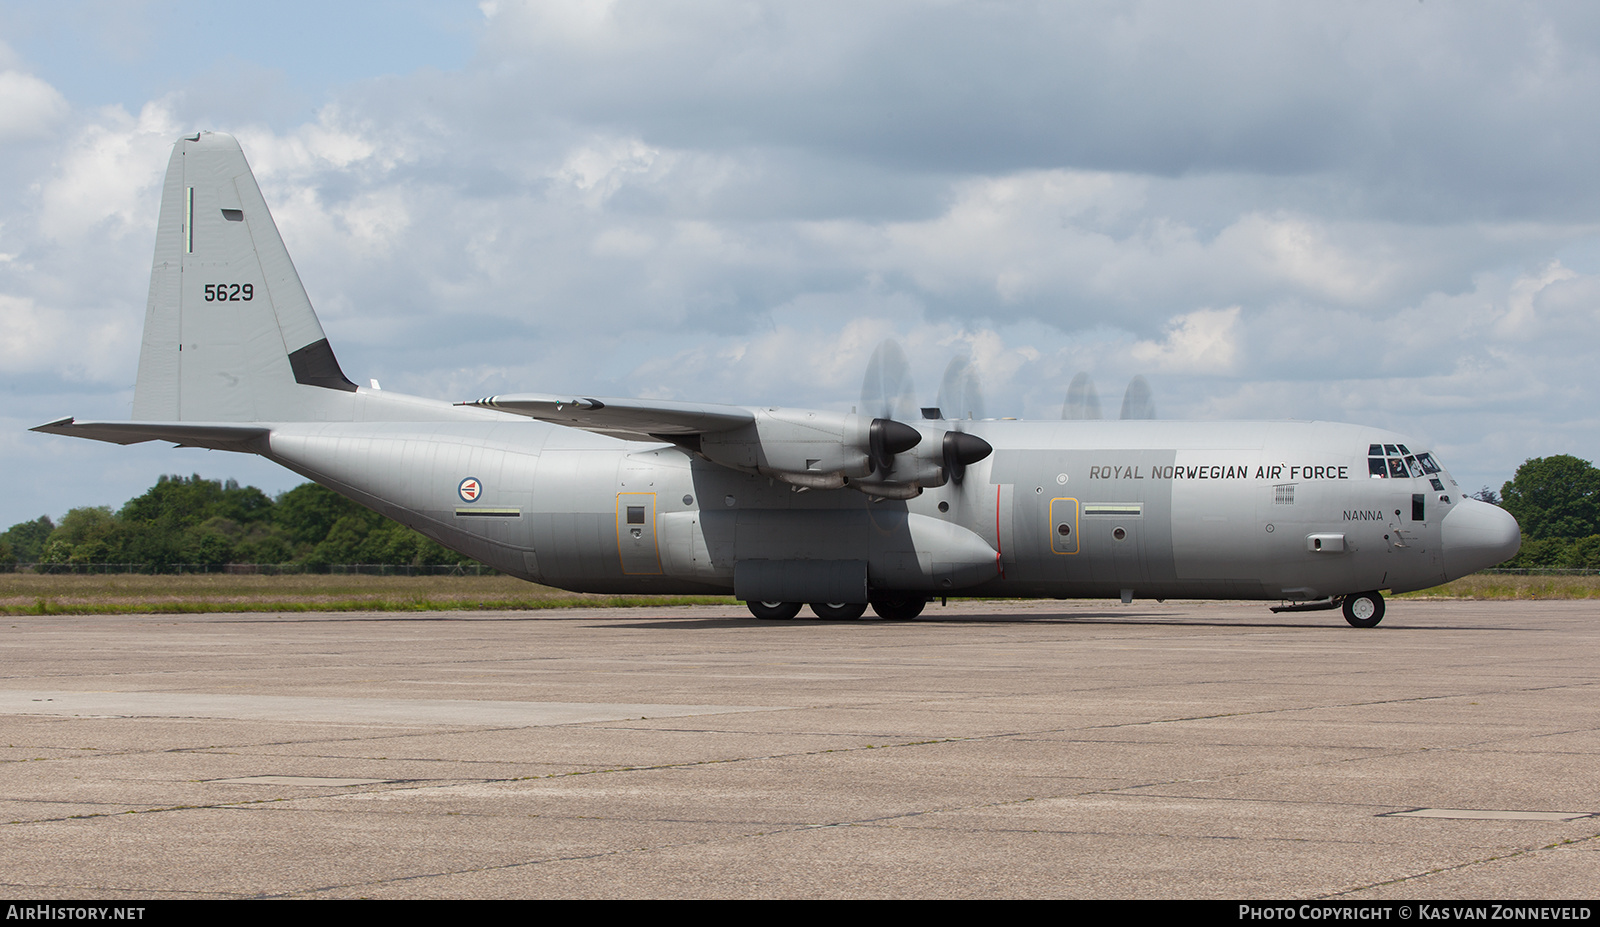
[{"x": 1396, "y": 462}]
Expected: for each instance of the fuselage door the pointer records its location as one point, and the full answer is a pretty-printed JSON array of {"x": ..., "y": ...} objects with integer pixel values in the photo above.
[
  {"x": 636, "y": 533},
  {"x": 1064, "y": 526}
]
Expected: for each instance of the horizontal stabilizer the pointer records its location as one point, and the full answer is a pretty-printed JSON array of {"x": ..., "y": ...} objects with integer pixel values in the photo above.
[
  {"x": 639, "y": 419},
  {"x": 220, "y": 437}
]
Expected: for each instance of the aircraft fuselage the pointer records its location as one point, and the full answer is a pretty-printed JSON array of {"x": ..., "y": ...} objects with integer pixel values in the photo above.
[{"x": 1285, "y": 510}]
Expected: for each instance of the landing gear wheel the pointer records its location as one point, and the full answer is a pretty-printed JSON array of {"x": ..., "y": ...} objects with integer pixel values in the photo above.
[
  {"x": 898, "y": 606},
  {"x": 774, "y": 611},
  {"x": 838, "y": 611},
  {"x": 1363, "y": 609}
]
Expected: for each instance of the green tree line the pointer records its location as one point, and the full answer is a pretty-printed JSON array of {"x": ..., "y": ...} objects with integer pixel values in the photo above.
[
  {"x": 1556, "y": 500},
  {"x": 192, "y": 520}
]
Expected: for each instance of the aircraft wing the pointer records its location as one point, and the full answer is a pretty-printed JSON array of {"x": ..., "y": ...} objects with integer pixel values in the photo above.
[
  {"x": 635, "y": 419},
  {"x": 220, "y": 437}
]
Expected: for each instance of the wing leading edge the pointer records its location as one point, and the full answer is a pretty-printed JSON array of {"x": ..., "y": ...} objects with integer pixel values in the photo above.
[{"x": 635, "y": 419}]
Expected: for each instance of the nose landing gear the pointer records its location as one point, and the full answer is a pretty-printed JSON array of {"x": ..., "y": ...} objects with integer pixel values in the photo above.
[{"x": 1363, "y": 609}]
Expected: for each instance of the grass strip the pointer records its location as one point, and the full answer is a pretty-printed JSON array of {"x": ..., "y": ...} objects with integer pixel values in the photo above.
[
  {"x": 133, "y": 594},
  {"x": 1491, "y": 586}
]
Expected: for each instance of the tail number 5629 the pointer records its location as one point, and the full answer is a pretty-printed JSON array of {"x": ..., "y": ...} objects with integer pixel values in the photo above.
[{"x": 229, "y": 292}]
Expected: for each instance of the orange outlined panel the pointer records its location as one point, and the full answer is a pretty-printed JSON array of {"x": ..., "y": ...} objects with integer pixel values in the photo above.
[{"x": 1064, "y": 525}]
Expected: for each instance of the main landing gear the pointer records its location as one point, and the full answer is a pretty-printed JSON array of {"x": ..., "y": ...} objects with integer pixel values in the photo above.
[
  {"x": 897, "y": 606},
  {"x": 890, "y": 606},
  {"x": 774, "y": 611},
  {"x": 1363, "y": 609},
  {"x": 838, "y": 611}
]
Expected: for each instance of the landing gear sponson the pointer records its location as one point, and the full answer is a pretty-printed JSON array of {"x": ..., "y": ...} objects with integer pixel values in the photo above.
[{"x": 890, "y": 606}]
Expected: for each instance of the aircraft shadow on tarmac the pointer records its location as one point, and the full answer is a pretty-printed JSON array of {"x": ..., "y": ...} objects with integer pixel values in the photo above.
[
  {"x": 660, "y": 622},
  {"x": 1099, "y": 619}
]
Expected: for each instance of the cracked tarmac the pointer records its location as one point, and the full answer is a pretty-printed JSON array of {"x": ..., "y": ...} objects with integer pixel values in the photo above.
[{"x": 991, "y": 749}]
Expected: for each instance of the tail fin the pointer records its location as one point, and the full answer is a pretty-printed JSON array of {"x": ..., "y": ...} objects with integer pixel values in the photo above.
[{"x": 229, "y": 335}]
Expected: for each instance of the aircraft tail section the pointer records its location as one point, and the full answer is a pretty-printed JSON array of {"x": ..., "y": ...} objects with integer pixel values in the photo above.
[{"x": 229, "y": 334}]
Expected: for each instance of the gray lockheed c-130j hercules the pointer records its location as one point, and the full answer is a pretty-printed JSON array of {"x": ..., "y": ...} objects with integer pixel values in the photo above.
[{"x": 778, "y": 506}]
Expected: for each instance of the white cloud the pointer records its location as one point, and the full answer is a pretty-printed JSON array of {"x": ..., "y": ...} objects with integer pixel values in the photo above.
[
  {"x": 1016, "y": 236},
  {"x": 623, "y": 243},
  {"x": 1303, "y": 254},
  {"x": 1202, "y": 341},
  {"x": 1521, "y": 321},
  {"x": 331, "y": 142},
  {"x": 79, "y": 345},
  {"x": 600, "y": 169},
  {"x": 29, "y": 107},
  {"x": 376, "y": 219},
  {"x": 108, "y": 175},
  {"x": 552, "y": 20}
]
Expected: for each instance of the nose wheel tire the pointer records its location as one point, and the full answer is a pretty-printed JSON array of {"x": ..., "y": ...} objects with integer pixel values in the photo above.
[
  {"x": 774, "y": 611},
  {"x": 898, "y": 606},
  {"x": 838, "y": 611},
  {"x": 1363, "y": 609}
]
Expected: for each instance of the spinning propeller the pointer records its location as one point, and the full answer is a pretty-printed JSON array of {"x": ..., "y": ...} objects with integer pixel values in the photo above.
[
  {"x": 887, "y": 395},
  {"x": 1083, "y": 403},
  {"x": 959, "y": 395}
]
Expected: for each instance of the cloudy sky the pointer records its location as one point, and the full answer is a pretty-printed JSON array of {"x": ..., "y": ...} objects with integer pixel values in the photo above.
[{"x": 1382, "y": 212}]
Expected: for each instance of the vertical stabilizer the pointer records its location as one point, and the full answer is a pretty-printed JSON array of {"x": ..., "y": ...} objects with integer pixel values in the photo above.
[{"x": 229, "y": 335}]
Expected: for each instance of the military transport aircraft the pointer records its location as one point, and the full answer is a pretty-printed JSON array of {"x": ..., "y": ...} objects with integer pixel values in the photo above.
[{"x": 778, "y": 506}]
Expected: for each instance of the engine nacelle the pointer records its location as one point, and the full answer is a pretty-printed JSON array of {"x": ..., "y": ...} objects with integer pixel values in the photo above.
[
  {"x": 829, "y": 450},
  {"x": 802, "y": 447}
]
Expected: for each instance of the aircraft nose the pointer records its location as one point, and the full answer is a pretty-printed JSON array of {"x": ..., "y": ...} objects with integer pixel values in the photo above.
[{"x": 1477, "y": 535}]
